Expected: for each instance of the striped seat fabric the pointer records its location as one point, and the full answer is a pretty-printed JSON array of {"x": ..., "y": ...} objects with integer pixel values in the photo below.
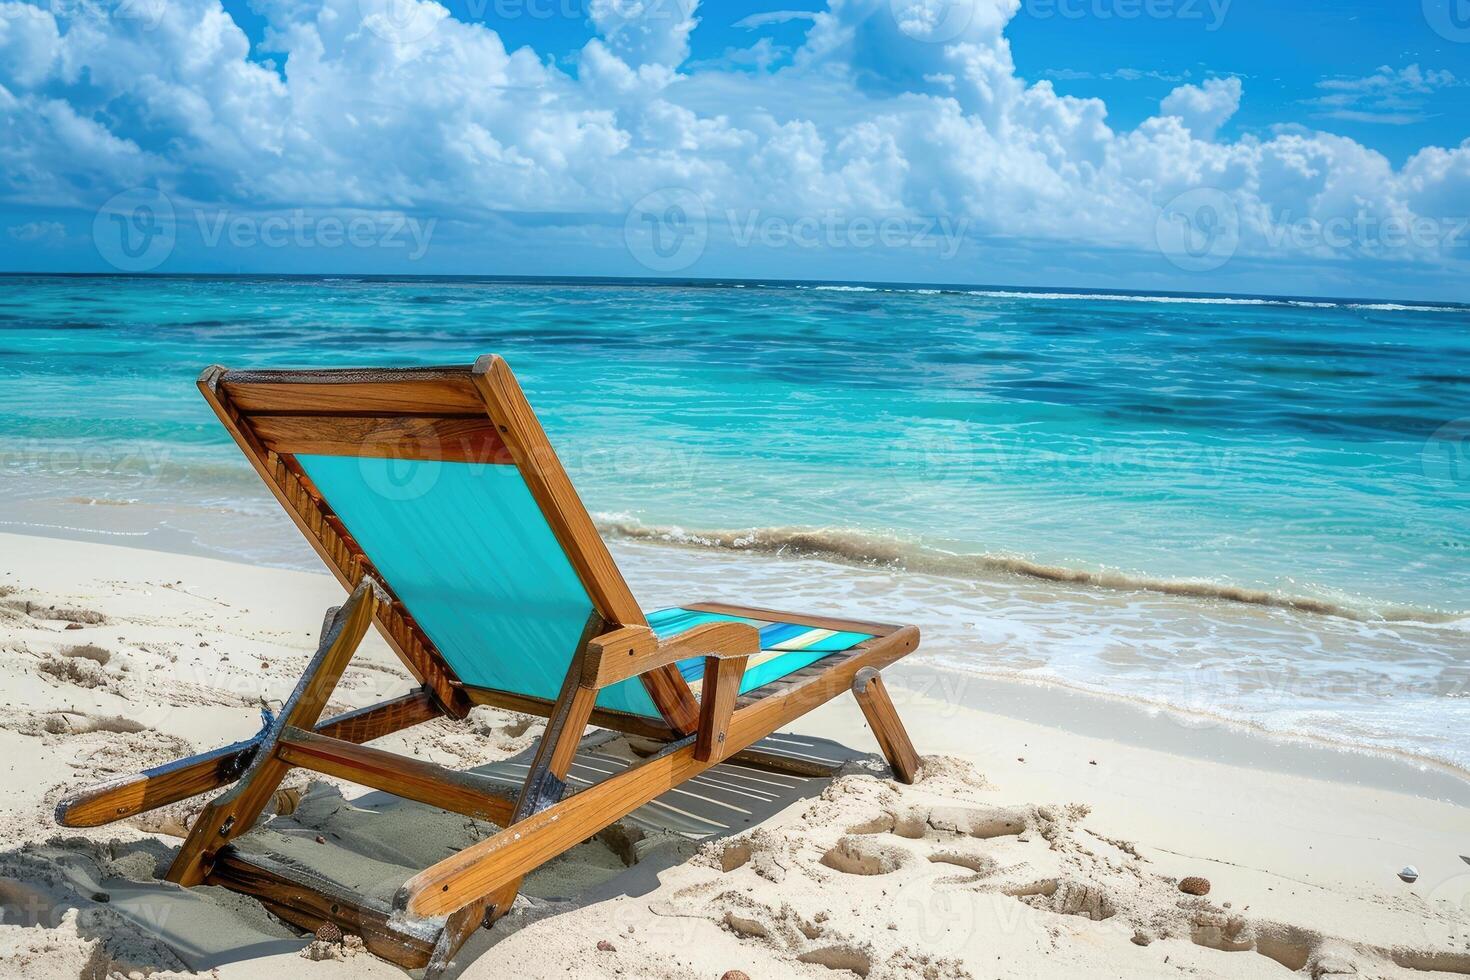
[{"x": 785, "y": 647}]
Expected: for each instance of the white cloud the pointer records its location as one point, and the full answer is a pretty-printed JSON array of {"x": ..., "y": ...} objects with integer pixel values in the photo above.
[
  {"x": 1385, "y": 79},
  {"x": 1116, "y": 75},
  {"x": 1203, "y": 109},
  {"x": 761, "y": 56},
  {"x": 1395, "y": 98},
  {"x": 29, "y": 44},
  {"x": 918, "y": 113},
  {"x": 1135, "y": 74},
  {"x": 645, "y": 31},
  {"x": 754, "y": 21},
  {"x": 46, "y": 233}
]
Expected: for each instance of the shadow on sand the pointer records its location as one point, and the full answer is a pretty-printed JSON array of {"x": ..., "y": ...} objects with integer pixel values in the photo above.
[{"x": 113, "y": 892}]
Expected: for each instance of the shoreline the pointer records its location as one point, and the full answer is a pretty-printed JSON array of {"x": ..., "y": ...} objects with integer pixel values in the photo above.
[
  {"x": 1139, "y": 723},
  {"x": 1039, "y": 700},
  {"x": 845, "y": 547},
  {"x": 1049, "y": 701},
  {"x": 857, "y": 549}
]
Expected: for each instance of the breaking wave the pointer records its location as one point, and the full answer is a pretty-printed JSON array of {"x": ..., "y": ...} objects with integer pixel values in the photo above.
[{"x": 852, "y": 547}]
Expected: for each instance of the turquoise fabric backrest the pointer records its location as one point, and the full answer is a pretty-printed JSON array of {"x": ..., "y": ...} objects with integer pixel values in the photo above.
[{"x": 466, "y": 549}]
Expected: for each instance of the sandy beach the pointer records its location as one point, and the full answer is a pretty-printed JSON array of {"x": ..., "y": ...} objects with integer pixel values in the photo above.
[{"x": 1048, "y": 835}]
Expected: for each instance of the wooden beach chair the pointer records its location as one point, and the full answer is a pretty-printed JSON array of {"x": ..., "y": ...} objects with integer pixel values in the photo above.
[{"x": 435, "y": 498}]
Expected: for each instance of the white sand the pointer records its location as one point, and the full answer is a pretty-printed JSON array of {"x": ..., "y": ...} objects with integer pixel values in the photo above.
[{"x": 1064, "y": 864}]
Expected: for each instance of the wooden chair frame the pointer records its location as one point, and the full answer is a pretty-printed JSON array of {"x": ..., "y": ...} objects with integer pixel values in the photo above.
[{"x": 469, "y": 414}]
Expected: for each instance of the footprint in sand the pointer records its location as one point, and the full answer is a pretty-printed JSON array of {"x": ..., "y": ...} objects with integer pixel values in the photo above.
[
  {"x": 839, "y": 958},
  {"x": 57, "y": 614},
  {"x": 856, "y": 856},
  {"x": 1041, "y": 857}
]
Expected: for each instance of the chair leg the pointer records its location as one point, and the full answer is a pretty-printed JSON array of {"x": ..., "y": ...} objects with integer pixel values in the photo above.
[
  {"x": 544, "y": 787},
  {"x": 234, "y": 811},
  {"x": 459, "y": 927},
  {"x": 872, "y": 697}
]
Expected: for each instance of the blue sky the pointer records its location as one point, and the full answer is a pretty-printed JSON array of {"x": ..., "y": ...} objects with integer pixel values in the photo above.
[{"x": 1299, "y": 147}]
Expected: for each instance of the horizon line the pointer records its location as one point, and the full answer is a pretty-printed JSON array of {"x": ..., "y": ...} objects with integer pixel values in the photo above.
[{"x": 762, "y": 282}]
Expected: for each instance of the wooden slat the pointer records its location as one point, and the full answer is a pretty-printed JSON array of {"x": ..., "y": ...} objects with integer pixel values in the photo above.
[
  {"x": 781, "y": 763},
  {"x": 138, "y": 793},
  {"x": 797, "y": 677},
  {"x": 481, "y": 868},
  {"x": 573, "y": 527},
  {"x": 307, "y": 902},
  {"x": 152, "y": 788},
  {"x": 455, "y": 439},
  {"x": 565, "y": 748},
  {"x": 412, "y": 779},
  {"x": 893, "y": 739},
  {"x": 366, "y": 724},
  {"x": 764, "y": 760},
  {"x": 408, "y": 391},
  {"x": 341, "y": 554}
]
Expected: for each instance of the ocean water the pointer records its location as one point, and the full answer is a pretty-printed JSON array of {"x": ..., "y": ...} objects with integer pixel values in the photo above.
[{"x": 1257, "y": 510}]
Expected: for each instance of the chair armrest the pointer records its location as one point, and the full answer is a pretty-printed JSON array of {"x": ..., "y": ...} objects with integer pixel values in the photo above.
[{"x": 632, "y": 650}]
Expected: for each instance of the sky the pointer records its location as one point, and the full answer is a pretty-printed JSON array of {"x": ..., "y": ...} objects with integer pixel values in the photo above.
[{"x": 1292, "y": 147}]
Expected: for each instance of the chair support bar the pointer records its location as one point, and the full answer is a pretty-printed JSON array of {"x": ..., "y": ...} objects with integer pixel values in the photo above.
[
  {"x": 412, "y": 779},
  {"x": 128, "y": 796}
]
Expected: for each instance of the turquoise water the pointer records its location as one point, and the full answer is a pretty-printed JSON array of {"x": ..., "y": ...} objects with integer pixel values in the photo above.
[
  {"x": 1303, "y": 458},
  {"x": 1286, "y": 448}
]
